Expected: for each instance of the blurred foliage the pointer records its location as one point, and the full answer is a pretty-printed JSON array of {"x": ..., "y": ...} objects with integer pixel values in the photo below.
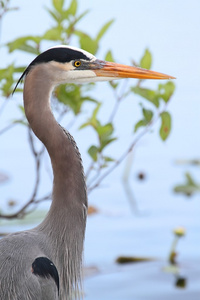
[
  {"x": 5, "y": 7},
  {"x": 188, "y": 188},
  {"x": 181, "y": 282},
  {"x": 132, "y": 259},
  {"x": 66, "y": 25},
  {"x": 105, "y": 137},
  {"x": 163, "y": 92},
  {"x": 146, "y": 60}
]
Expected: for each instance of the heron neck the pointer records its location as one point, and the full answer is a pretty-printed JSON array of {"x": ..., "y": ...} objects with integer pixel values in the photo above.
[
  {"x": 66, "y": 219},
  {"x": 69, "y": 192},
  {"x": 69, "y": 183}
]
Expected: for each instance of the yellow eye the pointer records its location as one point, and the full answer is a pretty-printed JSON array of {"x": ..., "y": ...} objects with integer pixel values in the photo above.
[{"x": 77, "y": 63}]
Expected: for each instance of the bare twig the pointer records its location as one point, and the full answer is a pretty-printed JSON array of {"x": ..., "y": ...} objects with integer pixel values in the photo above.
[
  {"x": 118, "y": 98},
  {"x": 10, "y": 126},
  {"x": 3, "y": 105},
  {"x": 98, "y": 172},
  {"x": 45, "y": 198},
  {"x": 37, "y": 155},
  {"x": 89, "y": 170},
  {"x": 7, "y": 128},
  {"x": 4, "y": 8}
]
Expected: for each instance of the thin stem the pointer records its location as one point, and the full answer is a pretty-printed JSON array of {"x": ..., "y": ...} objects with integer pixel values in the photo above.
[
  {"x": 3, "y": 105},
  {"x": 98, "y": 172},
  {"x": 7, "y": 128},
  {"x": 37, "y": 155},
  {"x": 119, "y": 97},
  {"x": 89, "y": 170}
]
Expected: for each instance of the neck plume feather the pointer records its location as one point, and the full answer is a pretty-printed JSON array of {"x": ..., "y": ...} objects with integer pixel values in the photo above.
[{"x": 65, "y": 223}]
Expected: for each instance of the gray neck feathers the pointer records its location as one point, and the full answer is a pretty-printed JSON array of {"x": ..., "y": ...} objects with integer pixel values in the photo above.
[{"x": 65, "y": 223}]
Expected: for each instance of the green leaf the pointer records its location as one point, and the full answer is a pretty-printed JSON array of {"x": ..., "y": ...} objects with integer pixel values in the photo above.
[
  {"x": 86, "y": 42},
  {"x": 21, "y": 122},
  {"x": 149, "y": 95},
  {"x": 94, "y": 114},
  {"x": 7, "y": 72},
  {"x": 105, "y": 135},
  {"x": 148, "y": 114},
  {"x": 93, "y": 119},
  {"x": 27, "y": 43},
  {"x": 19, "y": 69},
  {"x": 146, "y": 60},
  {"x": 89, "y": 44},
  {"x": 109, "y": 56},
  {"x": 71, "y": 94},
  {"x": 105, "y": 131},
  {"x": 85, "y": 125},
  {"x": 103, "y": 30},
  {"x": 139, "y": 124},
  {"x": 71, "y": 26},
  {"x": 72, "y": 8},
  {"x": 188, "y": 190},
  {"x": 165, "y": 125},
  {"x": 2, "y": 4},
  {"x": 190, "y": 180},
  {"x": 166, "y": 90},
  {"x": 113, "y": 84},
  {"x": 21, "y": 109},
  {"x": 54, "y": 14},
  {"x": 53, "y": 34},
  {"x": 58, "y": 5},
  {"x": 93, "y": 152},
  {"x": 7, "y": 80},
  {"x": 106, "y": 142},
  {"x": 29, "y": 49},
  {"x": 108, "y": 159},
  {"x": 190, "y": 187}
]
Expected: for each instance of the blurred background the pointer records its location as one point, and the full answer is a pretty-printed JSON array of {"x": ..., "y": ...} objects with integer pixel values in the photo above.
[{"x": 137, "y": 215}]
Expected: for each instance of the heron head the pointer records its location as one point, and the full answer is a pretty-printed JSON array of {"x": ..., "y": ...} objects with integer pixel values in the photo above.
[{"x": 65, "y": 64}]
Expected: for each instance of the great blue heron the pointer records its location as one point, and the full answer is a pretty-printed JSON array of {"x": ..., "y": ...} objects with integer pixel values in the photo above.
[{"x": 45, "y": 262}]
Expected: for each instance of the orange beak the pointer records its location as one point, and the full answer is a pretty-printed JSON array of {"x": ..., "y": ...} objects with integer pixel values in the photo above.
[{"x": 117, "y": 71}]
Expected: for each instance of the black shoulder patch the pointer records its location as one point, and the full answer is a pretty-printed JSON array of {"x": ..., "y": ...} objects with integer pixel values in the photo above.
[
  {"x": 42, "y": 266},
  {"x": 59, "y": 54}
]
